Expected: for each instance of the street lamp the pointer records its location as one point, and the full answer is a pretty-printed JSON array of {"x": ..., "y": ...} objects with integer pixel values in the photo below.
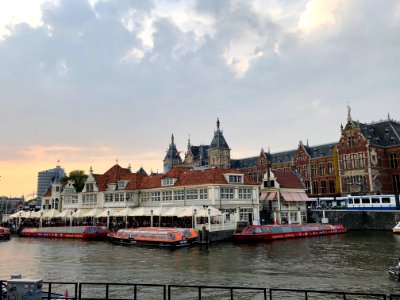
[
  {"x": 108, "y": 219},
  {"x": 194, "y": 218},
  {"x": 151, "y": 218},
  {"x": 209, "y": 218},
  {"x": 70, "y": 219},
  {"x": 41, "y": 219},
  {"x": 205, "y": 211}
]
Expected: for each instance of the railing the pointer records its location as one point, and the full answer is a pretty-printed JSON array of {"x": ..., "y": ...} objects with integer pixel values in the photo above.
[{"x": 133, "y": 291}]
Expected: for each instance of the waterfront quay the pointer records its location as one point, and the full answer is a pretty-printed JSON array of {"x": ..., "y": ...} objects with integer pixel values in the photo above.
[{"x": 353, "y": 262}]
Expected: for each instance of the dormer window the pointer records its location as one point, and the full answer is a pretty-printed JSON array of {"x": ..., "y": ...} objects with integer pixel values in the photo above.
[
  {"x": 234, "y": 178},
  {"x": 168, "y": 181},
  {"x": 122, "y": 184},
  {"x": 89, "y": 187}
]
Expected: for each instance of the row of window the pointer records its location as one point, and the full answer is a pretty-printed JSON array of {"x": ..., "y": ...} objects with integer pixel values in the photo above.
[
  {"x": 321, "y": 187},
  {"x": 191, "y": 194}
]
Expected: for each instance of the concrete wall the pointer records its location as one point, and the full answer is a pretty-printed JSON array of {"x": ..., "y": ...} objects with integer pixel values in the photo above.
[{"x": 356, "y": 220}]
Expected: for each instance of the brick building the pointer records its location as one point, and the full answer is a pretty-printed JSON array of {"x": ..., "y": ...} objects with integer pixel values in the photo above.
[{"x": 365, "y": 160}]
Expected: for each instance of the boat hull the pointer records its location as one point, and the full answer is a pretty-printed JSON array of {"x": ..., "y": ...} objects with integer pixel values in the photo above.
[
  {"x": 5, "y": 233},
  {"x": 273, "y": 232},
  {"x": 74, "y": 232},
  {"x": 154, "y": 236}
]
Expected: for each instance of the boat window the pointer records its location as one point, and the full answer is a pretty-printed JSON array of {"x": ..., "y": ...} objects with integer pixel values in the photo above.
[
  {"x": 276, "y": 230},
  {"x": 350, "y": 201},
  {"x": 258, "y": 230},
  {"x": 286, "y": 229},
  {"x": 266, "y": 229},
  {"x": 304, "y": 228},
  {"x": 375, "y": 200},
  {"x": 296, "y": 229},
  {"x": 251, "y": 230},
  {"x": 385, "y": 200},
  {"x": 365, "y": 200},
  {"x": 356, "y": 200}
]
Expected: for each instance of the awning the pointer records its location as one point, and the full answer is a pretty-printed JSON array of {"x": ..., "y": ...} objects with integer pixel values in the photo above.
[
  {"x": 272, "y": 196},
  {"x": 263, "y": 196},
  {"x": 108, "y": 212},
  {"x": 65, "y": 213},
  {"x": 51, "y": 213},
  {"x": 126, "y": 212},
  {"x": 94, "y": 212},
  {"x": 80, "y": 213},
  {"x": 295, "y": 196}
]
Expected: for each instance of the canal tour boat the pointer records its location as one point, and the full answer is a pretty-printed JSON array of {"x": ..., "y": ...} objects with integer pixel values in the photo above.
[
  {"x": 78, "y": 232},
  {"x": 164, "y": 237},
  {"x": 271, "y": 232},
  {"x": 189, "y": 234},
  {"x": 5, "y": 233}
]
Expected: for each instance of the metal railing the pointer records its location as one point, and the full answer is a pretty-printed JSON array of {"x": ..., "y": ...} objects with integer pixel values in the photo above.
[{"x": 134, "y": 291}]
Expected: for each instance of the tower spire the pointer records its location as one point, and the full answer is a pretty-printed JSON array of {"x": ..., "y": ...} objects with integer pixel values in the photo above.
[
  {"x": 172, "y": 138},
  {"x": 348, "y": 112},
  {"x": 217, "y": 123}
]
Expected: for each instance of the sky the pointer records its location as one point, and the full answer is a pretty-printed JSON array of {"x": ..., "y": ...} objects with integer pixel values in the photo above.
[{"x": 87, "y": 83}]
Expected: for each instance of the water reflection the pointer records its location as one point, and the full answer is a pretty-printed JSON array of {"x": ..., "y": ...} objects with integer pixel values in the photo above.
[{"x": 354, "y": 261}]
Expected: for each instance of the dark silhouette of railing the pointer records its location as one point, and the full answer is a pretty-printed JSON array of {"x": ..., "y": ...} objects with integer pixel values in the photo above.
[{"x": 116, "y": 291}]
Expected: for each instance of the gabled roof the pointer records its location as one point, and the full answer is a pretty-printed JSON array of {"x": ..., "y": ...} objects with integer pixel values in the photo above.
[
  {"x": 288, "y": 180},
  {"x": 48, "y": 192},
  {"x": 189, "y": 177}
]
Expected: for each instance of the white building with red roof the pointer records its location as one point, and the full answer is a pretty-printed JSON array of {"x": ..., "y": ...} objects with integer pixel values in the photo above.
[{"x": 222, "y": 195}]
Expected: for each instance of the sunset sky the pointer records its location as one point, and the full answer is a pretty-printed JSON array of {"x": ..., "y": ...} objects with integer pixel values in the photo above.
[{"x": 89, "y": 82}]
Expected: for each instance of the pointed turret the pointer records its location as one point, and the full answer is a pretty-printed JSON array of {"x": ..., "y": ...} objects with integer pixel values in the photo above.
[
  {"x": 219, "y": 152},
  {"x": 172, "y": 157}
]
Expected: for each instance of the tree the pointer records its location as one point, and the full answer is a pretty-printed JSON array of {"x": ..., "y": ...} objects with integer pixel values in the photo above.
[{"x": 79, "y": 177}]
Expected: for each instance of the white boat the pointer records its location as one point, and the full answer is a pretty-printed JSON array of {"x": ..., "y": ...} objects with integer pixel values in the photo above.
[{"x": 396, "y": 229}]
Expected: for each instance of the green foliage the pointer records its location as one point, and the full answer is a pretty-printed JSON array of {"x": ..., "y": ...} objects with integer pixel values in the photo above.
[{"x": 79, "y": 177}]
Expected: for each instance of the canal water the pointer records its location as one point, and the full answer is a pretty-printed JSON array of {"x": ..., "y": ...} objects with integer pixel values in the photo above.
[{"x": 356, "y": 261}]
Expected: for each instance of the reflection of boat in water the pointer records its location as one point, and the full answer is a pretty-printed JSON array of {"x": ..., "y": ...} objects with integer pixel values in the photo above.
[
  {"x": 394, "y": 271},
  {"x": 79, "y": 232},
  {"x": 171, "y": 237},
  {"x": 270, "y": 232},
  {"x": 396, "y": 229},
  {"x": 5, "y": 233}
]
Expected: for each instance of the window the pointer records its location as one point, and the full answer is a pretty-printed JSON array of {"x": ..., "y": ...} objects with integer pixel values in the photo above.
[
  {"x": 203, "y": 194},
  {"x": 166, "y": 196},
  {"x": 119, "y": 197},
  {"x": 271, "y": 183},
  {"x": 122, "y": 184},
  {"x": 146, "y": 197},
  {"x": 313, "y": 170},
  {"x": 227, "y": 193},
  {"x": 356, "y": 200},
  {"x": 332, "y": 186},
  {"x": 108, "y": 197},
  {"x": 322, "y": 169},
  {"x": 365, "y": 201},
  {"x": 89, "y": 187},
  {"x": 315, "y": 187},
  {"x": 330, "y": 168},
  {"x": 351, "y": 141},
  {"x": 245, "y": 193},
  {"x": 393, "y": 161},
  {"x": 307, "y": 184},
  {"x": 396, "y": 182},
  {"x": 375, "y": 200},
  {"x": 192, "y": 195},
  {"x": 179, "y": 195},
  {"x": 235, "y": 179},
  {"x": 57, "y": 188},
  {"x": 323, "y": 187},
  {"x": 167, "y": 181},
  {"x": 385, "y": 200},
  {"x": 155, "y": 196}
]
